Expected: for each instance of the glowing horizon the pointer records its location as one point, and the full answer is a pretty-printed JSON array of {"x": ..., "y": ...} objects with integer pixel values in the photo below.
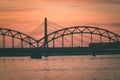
[{"x": 19, "y": 14}]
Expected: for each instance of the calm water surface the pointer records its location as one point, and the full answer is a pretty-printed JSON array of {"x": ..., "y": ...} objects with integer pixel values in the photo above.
[{"x": 105, "y": 67}]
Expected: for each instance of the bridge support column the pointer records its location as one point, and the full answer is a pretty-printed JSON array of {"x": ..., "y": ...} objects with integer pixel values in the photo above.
[
  {"x": 72, "y": 39},
  {"x": 21, "y": 43},
  {"x": 53, "y": 43},
  {"x": 91, "y": 37},
  {"x": 3, "y": 41},
  {"x": 81, "y": 39},
  {"x": 37, "y": 44},
  {"x": 62, "y": 41},
  {"x": 101, "y": 45},
  {"x": 12, "y": 42}
]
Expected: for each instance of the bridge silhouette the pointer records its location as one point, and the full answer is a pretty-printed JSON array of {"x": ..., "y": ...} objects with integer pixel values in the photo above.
[{"x": 75, "y": 40}]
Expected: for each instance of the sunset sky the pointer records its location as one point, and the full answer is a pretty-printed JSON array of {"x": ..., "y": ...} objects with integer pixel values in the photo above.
[{"x": 23, "y": 14}]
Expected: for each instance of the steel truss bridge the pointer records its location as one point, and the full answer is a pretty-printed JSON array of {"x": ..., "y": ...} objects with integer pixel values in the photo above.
[{"x": 90, "y": 41}]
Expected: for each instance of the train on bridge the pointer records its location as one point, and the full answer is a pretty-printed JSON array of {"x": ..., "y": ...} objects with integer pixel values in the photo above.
[{"x": 105, "y": 45}]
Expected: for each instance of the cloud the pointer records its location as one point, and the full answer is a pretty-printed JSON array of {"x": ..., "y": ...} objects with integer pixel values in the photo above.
[
  {"x": 88, "y": 1},
  {"x": 114, "y": 24},
  {"x": 10, "y": 9},
  {"x": 109, "y": 1},
  {"x": 100, "y": 1},
  {"x": 17, "y": 20},
  {"x": 117, "y": 24}
]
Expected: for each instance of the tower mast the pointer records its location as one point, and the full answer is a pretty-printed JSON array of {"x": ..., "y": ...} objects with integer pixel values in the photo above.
[{"x": 45, "y": 33}]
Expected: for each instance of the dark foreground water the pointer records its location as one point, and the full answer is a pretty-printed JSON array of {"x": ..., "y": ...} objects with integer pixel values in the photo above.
[{"x": 105, "y": 67}]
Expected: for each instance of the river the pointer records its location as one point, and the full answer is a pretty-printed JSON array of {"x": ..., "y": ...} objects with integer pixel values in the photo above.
[{"x": 101, "y": 67}]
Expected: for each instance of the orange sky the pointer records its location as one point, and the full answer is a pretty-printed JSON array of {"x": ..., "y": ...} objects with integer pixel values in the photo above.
[{"x": 25, "y": 15}]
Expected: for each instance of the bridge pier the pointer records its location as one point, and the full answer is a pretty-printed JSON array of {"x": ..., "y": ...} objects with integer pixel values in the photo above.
[
  {"x": 36, "y": 55},
  {"x": 94, "y": 53}
]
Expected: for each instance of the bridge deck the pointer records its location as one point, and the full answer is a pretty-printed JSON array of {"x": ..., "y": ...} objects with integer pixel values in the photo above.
[{"x": 38, "y": 52}]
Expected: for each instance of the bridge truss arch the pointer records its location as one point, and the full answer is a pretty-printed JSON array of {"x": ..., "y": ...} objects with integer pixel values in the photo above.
[
  {"x": 23, "y": 38},
  {"x": 102, "y": 35}
]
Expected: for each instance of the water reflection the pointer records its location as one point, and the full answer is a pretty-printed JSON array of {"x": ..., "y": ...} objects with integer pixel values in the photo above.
[{"x": 61, "y": 68}]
